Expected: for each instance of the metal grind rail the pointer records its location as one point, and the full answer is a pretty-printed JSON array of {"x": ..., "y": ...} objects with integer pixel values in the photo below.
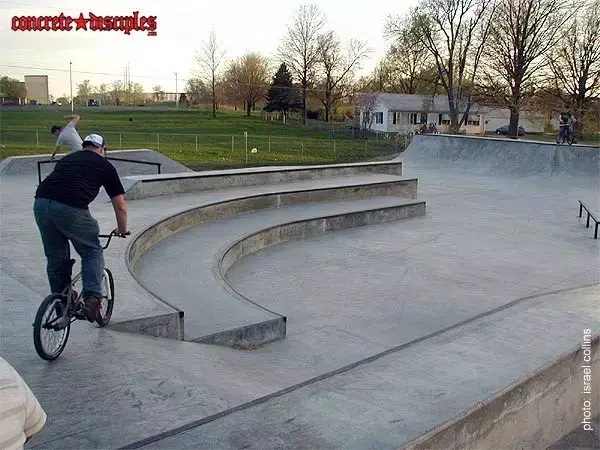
[
  {"x": 134, "y": 161},
  {"x": 589, "y": 215}
]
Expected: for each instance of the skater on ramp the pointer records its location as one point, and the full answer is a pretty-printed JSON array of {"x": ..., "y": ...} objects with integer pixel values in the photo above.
[{"x": 67, "y": 136}]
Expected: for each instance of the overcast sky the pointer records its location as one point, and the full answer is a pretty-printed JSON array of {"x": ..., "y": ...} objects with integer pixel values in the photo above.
[{"x": 240, "y": 25}]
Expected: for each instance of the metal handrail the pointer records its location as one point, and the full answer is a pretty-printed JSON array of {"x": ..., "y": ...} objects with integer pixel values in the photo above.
[
  {"x": 589, "y": 214},
  {"x": 135, "y": 161}
]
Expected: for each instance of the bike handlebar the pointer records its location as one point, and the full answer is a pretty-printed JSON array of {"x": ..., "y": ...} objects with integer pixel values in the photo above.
[{"x": 110, "y": 236}]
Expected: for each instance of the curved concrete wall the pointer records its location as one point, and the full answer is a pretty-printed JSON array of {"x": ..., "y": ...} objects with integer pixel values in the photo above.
[
  {"x": 534, "y": 412},
  {"x": 497, "y": 155},
  {"x": 159, "y": 185},
  {"x": 269, "y": 330}
]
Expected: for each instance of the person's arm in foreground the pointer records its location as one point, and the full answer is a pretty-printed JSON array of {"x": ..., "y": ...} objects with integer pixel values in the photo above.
[
  {"x": 74, "y": 118},
  {"x": 120, "y": 212}
]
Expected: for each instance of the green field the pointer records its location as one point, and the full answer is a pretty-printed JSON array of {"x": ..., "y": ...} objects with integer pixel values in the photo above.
[{"x": 191, "y": 137}]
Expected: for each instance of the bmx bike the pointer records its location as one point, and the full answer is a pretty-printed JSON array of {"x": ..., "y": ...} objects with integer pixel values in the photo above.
[
  {"x": 56, "y": 313},
  {"x": 565, "y": 135}
]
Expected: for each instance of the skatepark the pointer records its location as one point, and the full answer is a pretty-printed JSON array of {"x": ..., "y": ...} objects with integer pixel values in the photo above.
[{"x": 435, "y": 300}]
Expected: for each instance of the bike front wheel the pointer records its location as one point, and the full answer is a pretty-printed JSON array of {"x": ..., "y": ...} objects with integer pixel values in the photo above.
[
  {"x": 49, "y": 337},
  {"x": 108, "y": 298}
]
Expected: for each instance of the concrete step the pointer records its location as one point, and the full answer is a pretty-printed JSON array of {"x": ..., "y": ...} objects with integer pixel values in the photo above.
[
  {"x": 146, "y": 186},
  {"x": 186, "y": 269}
]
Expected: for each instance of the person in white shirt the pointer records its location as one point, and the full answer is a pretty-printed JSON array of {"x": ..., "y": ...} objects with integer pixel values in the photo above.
[
  {"x": 67, "y": 136},
  {"x": 21, "y": 415}
]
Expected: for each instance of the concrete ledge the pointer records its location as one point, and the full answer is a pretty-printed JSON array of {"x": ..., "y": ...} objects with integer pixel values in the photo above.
[
  {"x": 308, "y": 228},
  {"x": 272, "y": 326},
  {"x": 171, "y": 184},
  {"x": 21, "y": 165},
  {"x": 169, "y": 326},
  {"x": 403, "y": 187},
  {"x": 534, "y": 412}
]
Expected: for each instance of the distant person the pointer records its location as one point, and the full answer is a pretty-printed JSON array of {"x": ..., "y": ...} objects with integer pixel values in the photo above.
[
  {"x": 21, "y": 415},
  {"x": 566, "y": 121},
  {"x": 61, "y": 211},
  {"x": 67, "y": 136}
]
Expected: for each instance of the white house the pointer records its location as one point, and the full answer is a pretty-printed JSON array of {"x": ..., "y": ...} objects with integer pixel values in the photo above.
[{"x": 404, "y": 112}]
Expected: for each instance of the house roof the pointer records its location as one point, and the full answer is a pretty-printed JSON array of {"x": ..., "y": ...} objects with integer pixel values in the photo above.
[{"x": 419, "y": 103}]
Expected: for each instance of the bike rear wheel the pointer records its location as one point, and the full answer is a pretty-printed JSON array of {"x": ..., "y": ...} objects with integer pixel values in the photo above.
[
  {"x": 50, "y": 340},
  {"x": 108, "y": 298}
]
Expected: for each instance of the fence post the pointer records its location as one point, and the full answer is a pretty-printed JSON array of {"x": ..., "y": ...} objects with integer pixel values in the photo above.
[
  {"x": 37, "y": 138},
  {"x": 302, "y": 147},
  {"x": 246, "y": 137},
  {"x": 269, "y": 145},
  {"x": 196, "y": 142},
  {"x": 158, "y": 141},
  {"x": 232, "y": 143},
  {"x": 334, "y": 148},
  {"x": 121, "y": 141}
]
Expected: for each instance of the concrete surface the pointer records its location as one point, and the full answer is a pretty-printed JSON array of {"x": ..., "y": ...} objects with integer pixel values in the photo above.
[
  {"x": 27, "y": 165},
  {"x": 140, "y": 187},
  {"x": 191, "y": 260},
  {"x": 534, "y": 412},
  {"x": 400, "y": 359},
  {"x": 580, "y": 439},
  {"x": 502, "y": 156}
]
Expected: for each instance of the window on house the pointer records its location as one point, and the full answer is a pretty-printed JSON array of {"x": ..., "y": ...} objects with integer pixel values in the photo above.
[
  {"x": 423, "y": 118},
  {"x": 473, "y": 120},
  {"x": 444, "y": 119},
  {"x": 378, "y": 117},
  {"x": 395, "y": 118},
  {"x": 413, "y": 118}
]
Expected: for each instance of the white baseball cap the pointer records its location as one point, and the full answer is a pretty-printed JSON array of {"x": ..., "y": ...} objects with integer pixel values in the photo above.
[{"x": 93, "y": 139}]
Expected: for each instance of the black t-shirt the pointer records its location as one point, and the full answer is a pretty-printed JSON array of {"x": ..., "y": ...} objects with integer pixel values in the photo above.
[{"x": 77, "y": 178}]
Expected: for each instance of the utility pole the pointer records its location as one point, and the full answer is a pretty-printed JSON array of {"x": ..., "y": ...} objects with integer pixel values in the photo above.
[
  {"x": 176, "y": 96},
  {"x": 71, "y": 83}
]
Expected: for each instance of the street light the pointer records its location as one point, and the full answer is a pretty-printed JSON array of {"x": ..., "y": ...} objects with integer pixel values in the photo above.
[
  {"x": 71, "y": 83},
  {"x": 176, "y": 96}
]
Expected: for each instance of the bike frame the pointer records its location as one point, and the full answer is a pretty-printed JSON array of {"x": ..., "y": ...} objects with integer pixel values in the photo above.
[{"x": 68, "y": 314}]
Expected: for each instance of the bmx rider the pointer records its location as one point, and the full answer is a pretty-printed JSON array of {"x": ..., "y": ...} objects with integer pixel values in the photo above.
[{"x": 61, "y": 210}]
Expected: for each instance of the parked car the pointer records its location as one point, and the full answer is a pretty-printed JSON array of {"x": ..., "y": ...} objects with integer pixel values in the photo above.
[{"x": 504, "y": 130}]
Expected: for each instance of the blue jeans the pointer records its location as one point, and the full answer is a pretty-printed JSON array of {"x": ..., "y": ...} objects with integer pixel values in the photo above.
[{"x": 58, "y": 224}]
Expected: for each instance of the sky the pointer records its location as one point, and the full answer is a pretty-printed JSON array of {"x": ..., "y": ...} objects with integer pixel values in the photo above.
[{"x": 181, "y": 27}]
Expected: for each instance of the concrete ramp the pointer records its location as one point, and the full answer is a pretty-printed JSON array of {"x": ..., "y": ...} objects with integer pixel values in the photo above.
[
  {"x": 502, "y": 156},
  {"x": 27, "y": 165}
]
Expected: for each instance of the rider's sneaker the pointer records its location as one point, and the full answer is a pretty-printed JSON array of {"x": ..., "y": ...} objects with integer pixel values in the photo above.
[{"x": 91, "y": 308}]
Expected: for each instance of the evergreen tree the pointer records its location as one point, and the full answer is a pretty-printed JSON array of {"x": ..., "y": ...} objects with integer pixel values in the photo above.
[{"x": 282, "y": 95}]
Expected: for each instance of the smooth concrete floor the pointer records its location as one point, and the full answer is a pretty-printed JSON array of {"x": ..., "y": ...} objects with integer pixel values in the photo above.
[{"x": 110, "y": 389}]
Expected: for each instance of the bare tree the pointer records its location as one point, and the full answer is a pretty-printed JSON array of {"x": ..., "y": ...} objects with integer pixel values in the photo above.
[
  {"x": 409, "y": 64},
  {"x": 209, "y": 60},
  {"x": 575, "y": 61},
  {"x": 454, "y": 33},
  {"x": 247, "y": 79},
  {"x": 300, "y": 47},
  {"x": 338, "y": 69},
  {"x": 521, "y": 36},
  {"x": 367, "y": 103}
]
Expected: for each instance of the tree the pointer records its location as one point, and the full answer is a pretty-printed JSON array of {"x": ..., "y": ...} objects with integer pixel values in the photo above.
[
  {"x": 575, "y": 62},
  {"x": 282, "y": 96},
  {"x": 454, "y": 32},
  {"x": 84, "y": 91},
  {"x": 117, "y": 92},
  {"x": 300, "y": 49},
  {"x": 247, "y": 78},
  {"x": 196, "y": 90},
  {"x": 209, "y": 60},
  {"x": 367, "y": 104},
  {"x": 408, "y": 65},
  {"x": 522, "y": 34},
  {"x": 338, "y": 69},
  {"x": 158, "y": 92},
  {"x": 12, "y": 88}
]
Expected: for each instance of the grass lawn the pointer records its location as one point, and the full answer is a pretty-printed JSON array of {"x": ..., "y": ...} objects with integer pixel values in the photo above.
[{"x": 191, "y": 137}]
